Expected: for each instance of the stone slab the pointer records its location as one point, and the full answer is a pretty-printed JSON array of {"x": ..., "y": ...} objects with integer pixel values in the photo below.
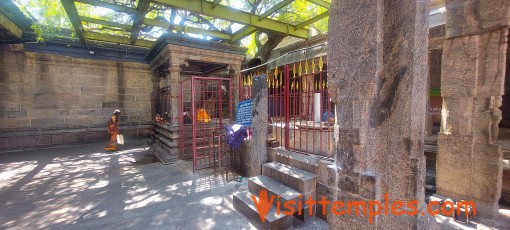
[
  {"x": 300, "y": 180},
  {"x": 243, "y": 203}
]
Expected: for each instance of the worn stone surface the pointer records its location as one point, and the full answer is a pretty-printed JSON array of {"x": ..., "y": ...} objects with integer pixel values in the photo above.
[
  {"x": 300, "y": 180},
  {"x": 472, "y": 82},
  {"x": 47, "y": 92},
  {"x": 256, "y": 146},
  {"x": 377, "y": 80},
  {"x": 476, "y": 16}
]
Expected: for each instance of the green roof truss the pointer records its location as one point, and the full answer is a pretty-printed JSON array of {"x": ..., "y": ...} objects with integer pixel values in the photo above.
[
  {"x": 320, "y": 3},
  {"x": 212, "y": 8},
  {"x": 234, "y": 15},
  {"x": 275, "y": 8},
  {"x": 72, "y": 13}
]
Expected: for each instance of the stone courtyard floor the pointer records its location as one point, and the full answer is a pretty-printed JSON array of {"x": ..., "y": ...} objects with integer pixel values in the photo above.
[{"x": 85, "y": 187}]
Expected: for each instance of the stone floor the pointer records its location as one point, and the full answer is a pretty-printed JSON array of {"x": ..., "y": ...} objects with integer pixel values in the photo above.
[{"x": 84, "y": 187}]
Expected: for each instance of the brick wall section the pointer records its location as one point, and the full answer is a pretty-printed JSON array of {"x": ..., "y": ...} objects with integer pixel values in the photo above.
[{"x": 49, "y": 99}]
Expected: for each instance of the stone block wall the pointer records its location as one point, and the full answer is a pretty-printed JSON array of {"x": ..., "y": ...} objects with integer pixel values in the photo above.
[{"x": 48, "y": 99}]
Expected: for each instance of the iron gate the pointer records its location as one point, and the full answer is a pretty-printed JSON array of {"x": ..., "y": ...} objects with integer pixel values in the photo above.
[{"x": 205, "y": 107}]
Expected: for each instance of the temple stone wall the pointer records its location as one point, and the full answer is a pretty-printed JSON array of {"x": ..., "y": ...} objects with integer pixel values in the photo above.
[
  {"x": 48, "y": 99},
  {"x": 473, "y": 69}
]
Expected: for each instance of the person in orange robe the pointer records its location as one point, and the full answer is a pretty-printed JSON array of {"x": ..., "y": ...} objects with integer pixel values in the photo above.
[{"x": 113, "y": 130}]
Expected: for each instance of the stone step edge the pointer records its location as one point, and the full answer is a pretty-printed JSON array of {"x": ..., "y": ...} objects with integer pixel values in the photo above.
[
  {"x": 245, "y": 197},
  {"x": 272, "y": 188},
  {"x": 303, "y": 173}
]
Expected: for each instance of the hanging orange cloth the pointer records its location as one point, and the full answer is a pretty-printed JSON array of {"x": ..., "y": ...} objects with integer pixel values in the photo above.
[{"x": 202, "y": 116}]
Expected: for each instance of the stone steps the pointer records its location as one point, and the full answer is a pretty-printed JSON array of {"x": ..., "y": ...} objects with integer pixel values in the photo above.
[
  {"x": 295, "y": 178},
  {"x": 274, "y": 189},
  {"x": 300, "y": 161},
  {"x": 289, "y": 183},
  {"x": 244, "y": 204}
]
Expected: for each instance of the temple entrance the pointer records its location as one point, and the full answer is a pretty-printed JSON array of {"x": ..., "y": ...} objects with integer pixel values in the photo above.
[{"x": 205, "y": 108}]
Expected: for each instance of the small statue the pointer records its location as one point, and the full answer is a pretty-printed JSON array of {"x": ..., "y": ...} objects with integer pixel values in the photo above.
[{"x": 495, "y": 118}]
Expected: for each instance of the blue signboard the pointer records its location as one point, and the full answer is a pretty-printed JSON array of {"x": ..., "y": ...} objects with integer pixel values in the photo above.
[{"x": 243, "y": 116}]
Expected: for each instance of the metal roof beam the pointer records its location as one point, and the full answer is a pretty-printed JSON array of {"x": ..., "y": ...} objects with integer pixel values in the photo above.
[
  {"x": 187, "y": 29},
  {"x": 240, "y": 34},
  {"x": 142, "y": 8},
  {"x": 162, "y": 24},
  {"x": 72, "y": 13},
  {"x": 312, "y": 20},
  {"x": 234, "y": 15},
  {"x": 10, "y": 26},
  {"x": 320, "y": 3},
  {"x": 216, "y": 3},
  {"x": 275, "y": 8},
  {"x": 108, "y": 5},
  {"x": 116, "y": 39},
  {"x": 106, "y": 23}
]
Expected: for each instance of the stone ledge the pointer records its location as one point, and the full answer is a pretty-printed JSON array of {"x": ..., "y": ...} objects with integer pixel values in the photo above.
[{"x": 53, "y": 139}]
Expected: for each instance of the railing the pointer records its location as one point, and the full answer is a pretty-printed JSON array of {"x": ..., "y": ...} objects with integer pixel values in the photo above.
[{"x": 301, "y": 114}]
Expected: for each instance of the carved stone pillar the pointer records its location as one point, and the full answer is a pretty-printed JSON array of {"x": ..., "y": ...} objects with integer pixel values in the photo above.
[
  {"x": 156, "y": 80},
  {"x": 235, "y": 71},
  {"x": 473, "y": 68},
  {"x": 377, "y": 78},
  {"x": 173, "y": 79}
]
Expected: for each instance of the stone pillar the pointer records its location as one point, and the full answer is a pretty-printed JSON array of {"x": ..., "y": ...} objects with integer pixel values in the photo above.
[
  {"x": 235, "y": 71},
  {"x": 173, "y": 80},
  {"x": 469, "y": 163},
  {"x": 156, "y": 80},
  {"x": 256, "y": 149},
  {"x": 377, "y": 66}
]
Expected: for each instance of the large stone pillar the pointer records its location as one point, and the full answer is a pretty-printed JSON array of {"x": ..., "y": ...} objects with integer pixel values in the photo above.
[
  {"x": 469, "y": 163},
  {"x": 377, "y": 66},
  {"x": 173, "y": 80}
]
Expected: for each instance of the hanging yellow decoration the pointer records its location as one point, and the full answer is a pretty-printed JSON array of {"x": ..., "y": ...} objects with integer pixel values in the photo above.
[
  {"x": 203, "y": 116},
  {"x": 306, "y": 66},
  {"x": 304, "y": 85},
  {"x": 276, "y": 85},
  {"x": 292, "y": 85},
  {"x": 294, "y": 70},
  {"x": 276, "y": 71},
  {"x": 281, "y": 78},
  {"x": 321, "y": 64},
  {"x": 250, "y": 80},
  {"x": 299, "y": 69},
  {"x": 313, "y": 65},
  {"x": 297, "y": 85},
  {"x": 324, "y": 84},
  {"x": 274, "y": 82}
]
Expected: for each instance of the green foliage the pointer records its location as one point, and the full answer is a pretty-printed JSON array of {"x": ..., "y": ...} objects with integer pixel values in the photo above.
[{"x": 294, "y": 13}]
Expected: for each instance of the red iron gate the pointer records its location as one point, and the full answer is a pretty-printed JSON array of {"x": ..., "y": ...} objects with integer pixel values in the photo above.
[
  {"x": 205, "y": 107},
  {"x": 301, "y": 114}
]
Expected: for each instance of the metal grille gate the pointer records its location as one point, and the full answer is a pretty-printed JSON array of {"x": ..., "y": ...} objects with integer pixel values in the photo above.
[{"x": 205, "y": 107}]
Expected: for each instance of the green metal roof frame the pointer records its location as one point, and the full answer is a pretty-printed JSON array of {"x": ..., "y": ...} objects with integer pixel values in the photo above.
[{"x": 211, "y": 8}]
